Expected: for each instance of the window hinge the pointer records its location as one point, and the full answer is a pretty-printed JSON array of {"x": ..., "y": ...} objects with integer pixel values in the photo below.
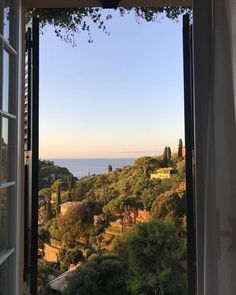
[{"x": 27, "y": 157}]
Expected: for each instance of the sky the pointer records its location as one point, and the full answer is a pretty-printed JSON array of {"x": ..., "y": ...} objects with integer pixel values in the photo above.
[{"x": 118, "y": 97}]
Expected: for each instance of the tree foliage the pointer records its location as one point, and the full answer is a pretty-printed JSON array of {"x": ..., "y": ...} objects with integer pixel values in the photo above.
[
  {"x": 71, "y": 256},
  {"x": 68, "y": 22},
  {"x": 167, "y": 156},
  {"x": 109, "y": 169},
  {"x": 180, "y": 148},
  {"x": 49, "y": 172},
  {"x": 155, "y": 260},
  {"x": 99, "y": 276},
  {"x": 75, "y": 224},
  {"x": 49, "y": 213},
  {"x": 152, "y": 255},
  {"x": 171, "y": 207}
]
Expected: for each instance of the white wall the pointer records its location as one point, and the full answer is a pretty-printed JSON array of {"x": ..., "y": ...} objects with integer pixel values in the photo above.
[{"x": 215, "y": 85}]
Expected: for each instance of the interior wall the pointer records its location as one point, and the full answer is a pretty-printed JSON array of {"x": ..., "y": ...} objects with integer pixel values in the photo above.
[
  {"x": 215, "y": 124},
  {"x": 231, "y": 16}
]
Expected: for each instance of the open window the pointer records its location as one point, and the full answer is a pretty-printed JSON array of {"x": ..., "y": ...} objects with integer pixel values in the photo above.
[{"x": 31, "y": 153}]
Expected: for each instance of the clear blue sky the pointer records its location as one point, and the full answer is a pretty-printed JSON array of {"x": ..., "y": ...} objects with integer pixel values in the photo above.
[{"x": 121, "y": 96}]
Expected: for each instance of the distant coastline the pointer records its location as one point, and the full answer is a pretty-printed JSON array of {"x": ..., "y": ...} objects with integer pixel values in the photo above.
[{"x": 81, "y": 167}]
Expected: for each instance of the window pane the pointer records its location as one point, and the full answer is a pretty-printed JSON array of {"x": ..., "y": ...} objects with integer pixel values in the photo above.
[
  {"x": 6, "y": 215},
  {"x": 6, "y": 65},
  {"x": 6, "y": 18},
  {"x": 7, "y": 151},
  {"x": 9, "y": 83}
]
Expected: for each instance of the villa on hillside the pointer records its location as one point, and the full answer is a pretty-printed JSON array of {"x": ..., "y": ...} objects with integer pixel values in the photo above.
[
  {"x": 66, "y": 206},
  {"x": 163, "y": 173},
  {"x": 51, "y": 252}
]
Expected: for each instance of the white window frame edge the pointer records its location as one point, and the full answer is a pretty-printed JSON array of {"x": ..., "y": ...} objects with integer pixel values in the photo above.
[{"x": 20, "y": 43}]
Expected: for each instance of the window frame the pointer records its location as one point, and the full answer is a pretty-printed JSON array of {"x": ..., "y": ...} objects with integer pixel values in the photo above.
[
  {"x": 94, "y": 3},
  {"x": 9, "y": 254}
]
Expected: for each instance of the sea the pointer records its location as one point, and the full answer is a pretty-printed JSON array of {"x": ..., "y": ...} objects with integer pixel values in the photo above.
[{"x": 85, "y": 167}]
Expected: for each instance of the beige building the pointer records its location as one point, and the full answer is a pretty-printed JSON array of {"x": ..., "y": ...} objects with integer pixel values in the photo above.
[
  {"x": 163, "y": 173},
  {"x": 66, "y": 206},
  {"x": 51, "y": 253}
]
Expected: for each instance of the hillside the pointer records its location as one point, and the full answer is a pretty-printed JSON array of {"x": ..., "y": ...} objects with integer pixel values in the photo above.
[{"x": 90, "y": 216}]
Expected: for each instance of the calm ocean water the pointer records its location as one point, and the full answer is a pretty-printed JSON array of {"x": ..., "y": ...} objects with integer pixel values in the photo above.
[{"x": 83, "y": 167}]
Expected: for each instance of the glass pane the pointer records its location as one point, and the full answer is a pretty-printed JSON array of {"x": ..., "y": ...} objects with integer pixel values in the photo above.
[
  {"x": 6, "y": 19},
  {"x": 1, "y": 17},
  {"x": 6, "y": 65},
  {"x": 4, "y": 151},
  {"x": 4, "y": 219},
  {"x": 8, "y": 148},
  {"x": 6, "y": 271}
]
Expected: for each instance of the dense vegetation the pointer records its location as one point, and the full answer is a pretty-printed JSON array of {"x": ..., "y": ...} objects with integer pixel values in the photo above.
[{"x": 126, "y": 231}]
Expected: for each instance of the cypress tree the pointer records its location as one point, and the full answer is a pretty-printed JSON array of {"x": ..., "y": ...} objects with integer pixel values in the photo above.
[
  {"x": 58, "y": 203},
  {"x": 109, "y": 168},
  {"x": 180, "y": 148},
  {"x": 70, "y": 180},
  {"x": 168, "y": 154},
  {"x": 165, "y": 158},
  {"x": 48, "y": 210},
  {"x": 69, "y": 196}
]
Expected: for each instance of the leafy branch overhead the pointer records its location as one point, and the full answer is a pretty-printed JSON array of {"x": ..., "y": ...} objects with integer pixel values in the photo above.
[{"x": 69, "y": 22}]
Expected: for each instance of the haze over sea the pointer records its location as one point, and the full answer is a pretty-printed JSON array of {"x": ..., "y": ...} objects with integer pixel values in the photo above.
[{"x": 84, "y": 167}]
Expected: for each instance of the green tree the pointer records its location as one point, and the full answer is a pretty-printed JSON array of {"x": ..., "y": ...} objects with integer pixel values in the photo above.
[
  {"x": 180, "y": 148},
  {"x": 58, "y": 201},
  {"x": 43, "y": 235},
  {"x": 171, "y": 207},
  {"x": 56, "y": 187},
  {"x": 82, "y": 188},
  {"x": 44, "y": 270},
  {"x": 48, "y": 172},
  {"x": 168, "y": 153},
  {"x": 99, "y": 276},
  {"x": 49, "y": 214},
  {"x": 102, "y": 182},
  {"x": 71, "y": 256},
  {"x": 109, "y": 168},
  {"x": 156, "y": 259},
  {"x": 153, "y": 163},
  {"x": 77, "y": 223},
  {"x": 181, "y": 169},
  {"x": 46, "y": 193},
  {"x": 70, "y": 180},
  {"x": 165, "y": 156}
]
